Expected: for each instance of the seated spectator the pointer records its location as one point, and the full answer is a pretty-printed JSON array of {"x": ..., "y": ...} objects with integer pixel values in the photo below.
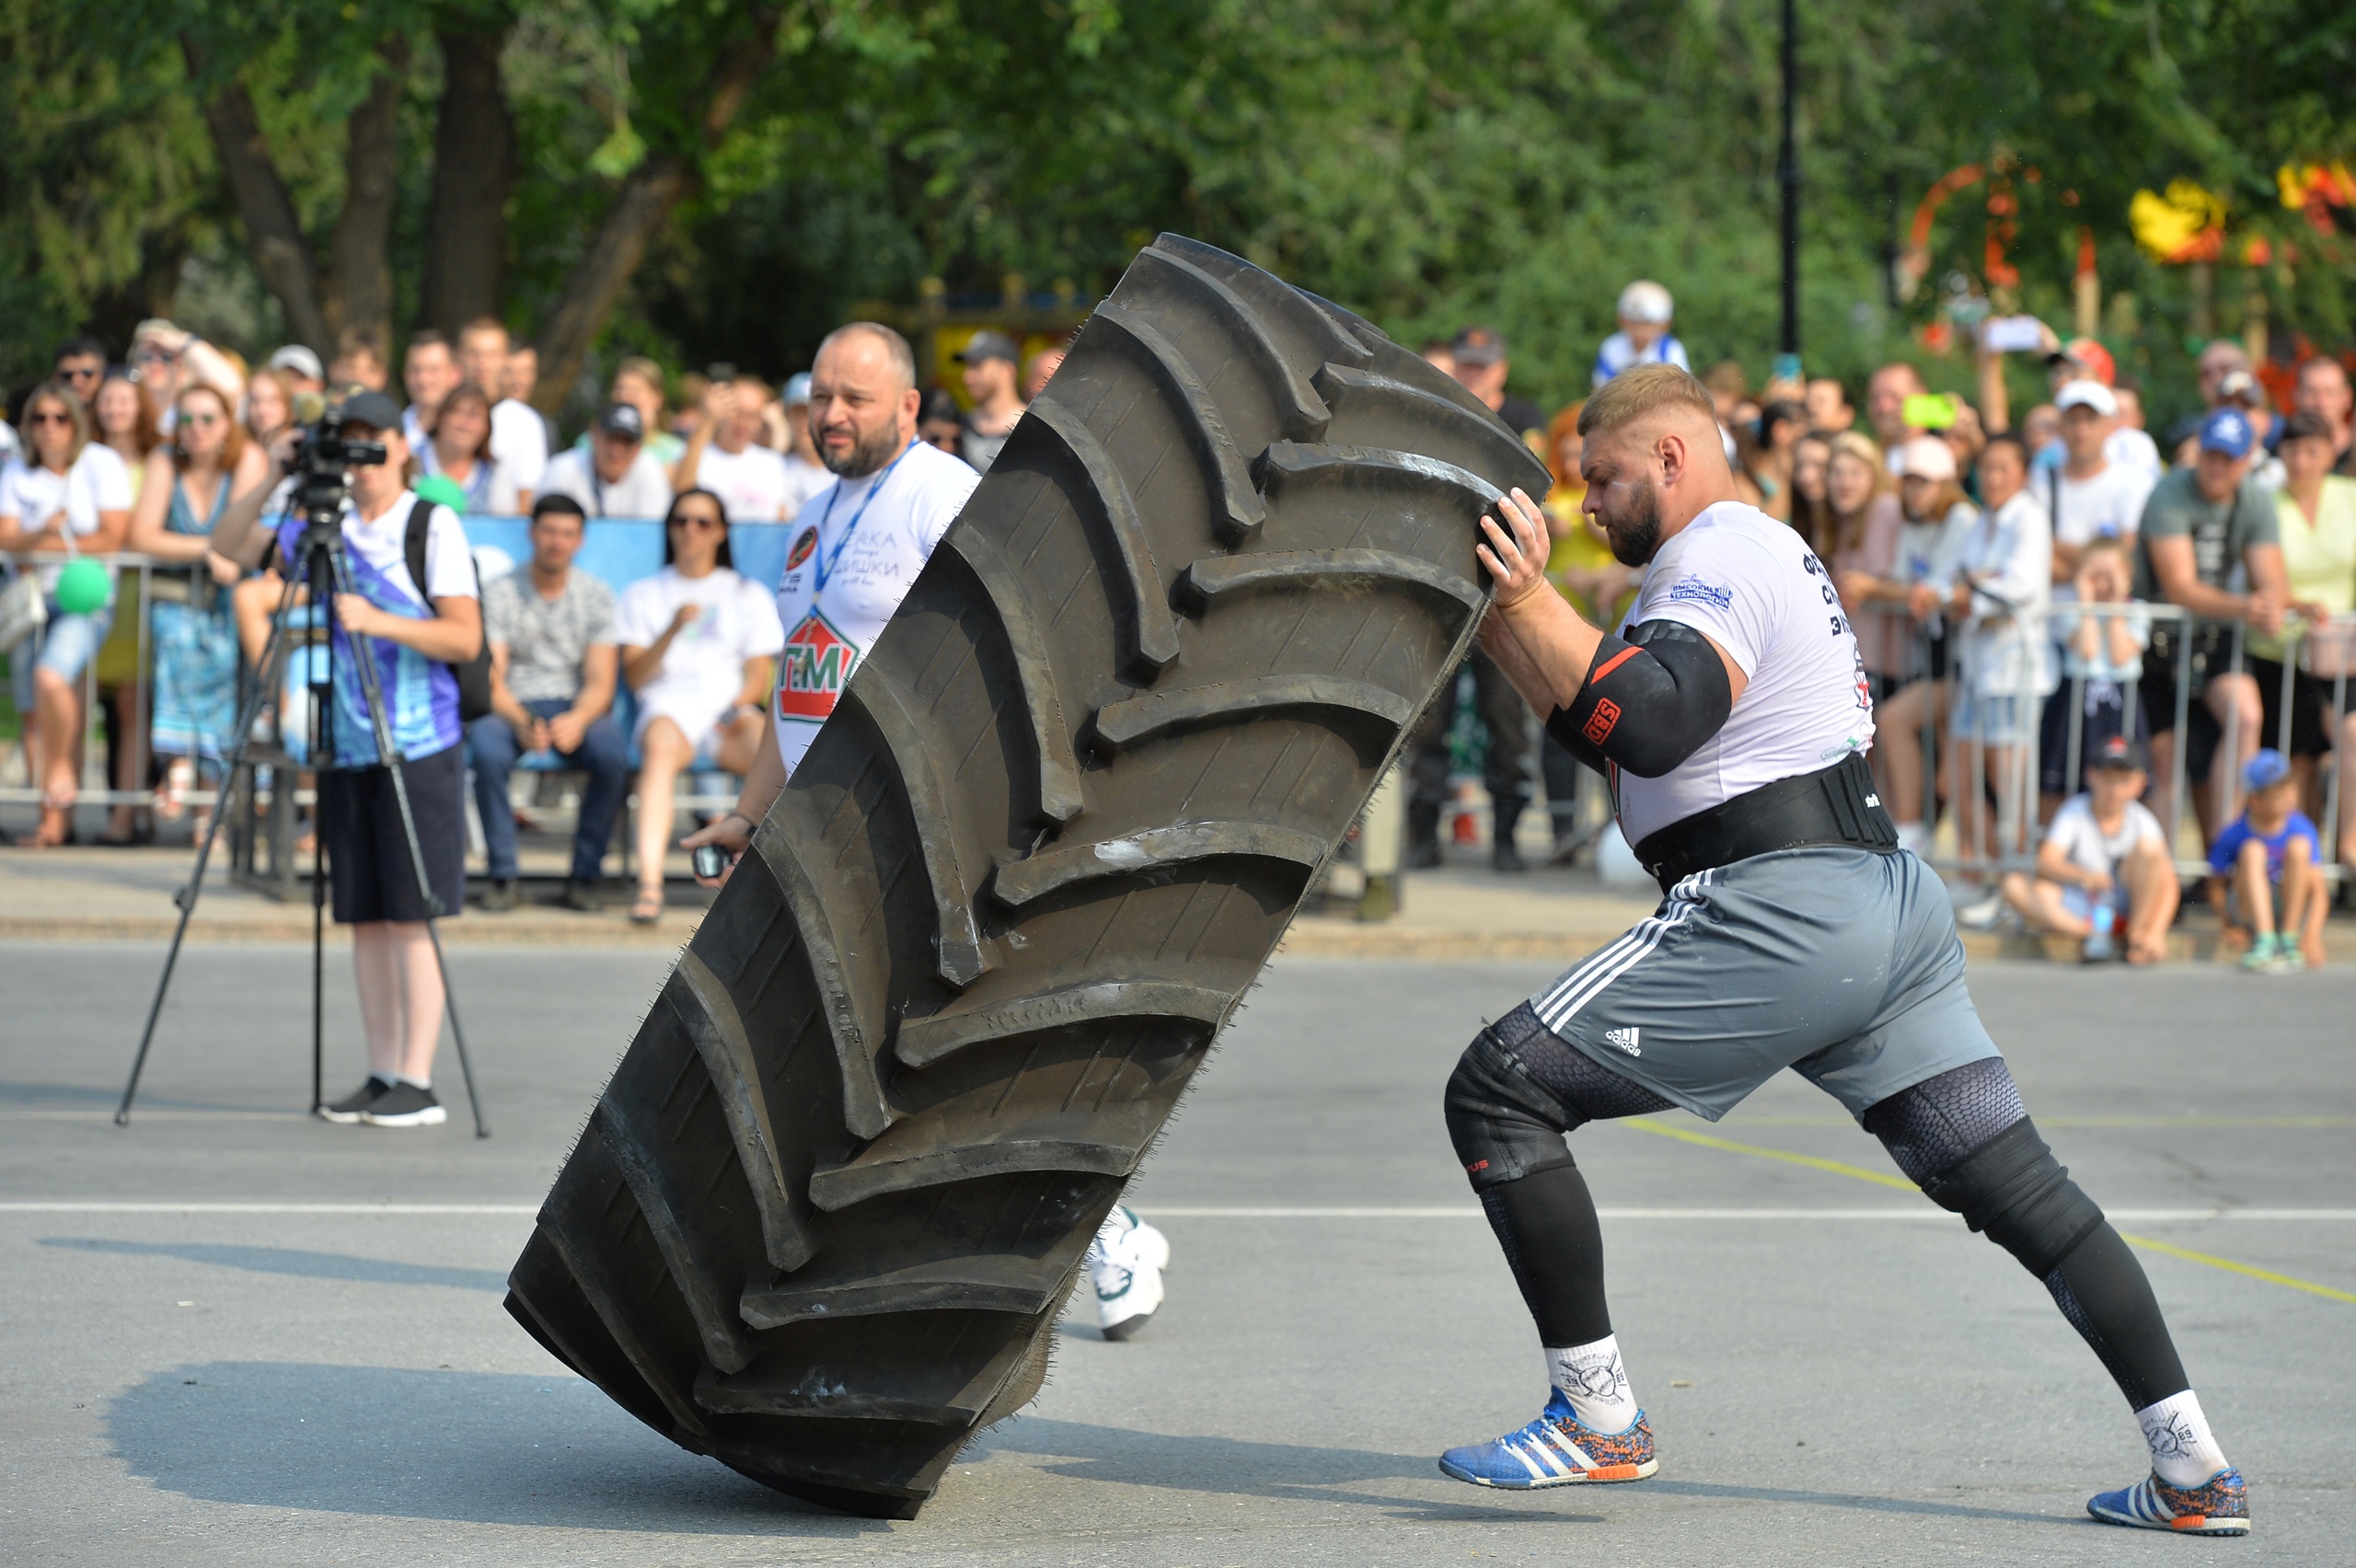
[
  {"x": 2104, "y": 866},
  {"x": 64, "y": 495},
  {"x": 553, "y": 663},
  {"x": 2316, "y": 512},
  {"x": 617, "y": 475},
  {"x": 519, "y": 437},
  {"x": 941, "y": 424},
  {"x": 1645, "y": 312},
  {"x": 987, "y": 364},
  {"x": 1998, "y": 595},
  {"x": 806, "y": 475},
  {"x": 725, "y": 456},
  {"x": 2263, "y": 877},
  {"x": 2204, "y": 530},
  {"x": 460, "y": 447},
  {"x": 2102, "y": 657},
  {"x": 699, "y": 646}
]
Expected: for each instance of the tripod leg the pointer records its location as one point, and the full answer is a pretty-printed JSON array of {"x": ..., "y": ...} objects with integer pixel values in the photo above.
[
  {"x": 457, "y": 1031},
  {"x": 318, "y": 944},
  {"x": 187, "y": 896}
]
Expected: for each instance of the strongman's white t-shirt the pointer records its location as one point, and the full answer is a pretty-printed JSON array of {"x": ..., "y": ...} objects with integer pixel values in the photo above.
[
  {"x": 1751, "y": 585},
  {"x": 857, "y": 546}
]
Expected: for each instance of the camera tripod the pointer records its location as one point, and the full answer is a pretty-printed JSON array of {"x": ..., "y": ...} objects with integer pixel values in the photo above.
[{"x": 323, "y": 566}]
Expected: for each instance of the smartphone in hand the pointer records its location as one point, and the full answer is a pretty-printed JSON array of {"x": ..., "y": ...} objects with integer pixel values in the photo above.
[{"x": 2013, "y": 334}]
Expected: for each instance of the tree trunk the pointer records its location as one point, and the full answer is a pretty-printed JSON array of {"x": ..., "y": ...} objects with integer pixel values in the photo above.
[
  {"x": 360, "y": 287},
  {"x": 474, "y": 165},
  {"x": 646, "y": 200},
  {"x": 281, "y": 252}
]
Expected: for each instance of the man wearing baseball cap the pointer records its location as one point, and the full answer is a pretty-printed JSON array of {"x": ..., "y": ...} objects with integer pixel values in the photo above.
[
  {"x": 989, "y": 362},
  {"x": 618, "y": 477},
  {"x": 2089, "y": 496},
  {"x": 2208, "y": 541},
  {"x": 1479, "y": 357}
]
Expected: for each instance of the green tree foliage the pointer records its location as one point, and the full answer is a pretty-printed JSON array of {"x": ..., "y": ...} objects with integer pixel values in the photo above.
[{"x": 1426, "y": 162}]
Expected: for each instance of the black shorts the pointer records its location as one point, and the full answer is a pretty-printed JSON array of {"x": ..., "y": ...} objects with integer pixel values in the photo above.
[
  {"x": 2311, "y": 707},
  {"x": 2212, "y": 649},
  {"x": 367, "y": 853},
  {"x": 2104, "y": 706}
]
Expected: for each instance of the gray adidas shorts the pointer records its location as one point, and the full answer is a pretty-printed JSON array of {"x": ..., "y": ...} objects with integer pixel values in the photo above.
[{"x": 1839, "y": 964}]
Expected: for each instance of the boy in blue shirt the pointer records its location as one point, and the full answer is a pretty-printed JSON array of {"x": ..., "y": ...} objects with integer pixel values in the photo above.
[{"x": 2263, "y": 876}]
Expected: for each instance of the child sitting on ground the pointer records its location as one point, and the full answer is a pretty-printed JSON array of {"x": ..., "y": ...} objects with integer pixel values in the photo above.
[
  {"x": 2263, "y": 878},
  {"x": 2104, "y": 870}
]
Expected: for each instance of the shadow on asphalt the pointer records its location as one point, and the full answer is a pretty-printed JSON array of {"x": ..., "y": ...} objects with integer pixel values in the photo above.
[{"x": 294, "y": 1261}]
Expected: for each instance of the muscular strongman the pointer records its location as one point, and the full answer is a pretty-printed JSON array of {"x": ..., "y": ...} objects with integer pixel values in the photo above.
[{"x": 1730, "y": 716}]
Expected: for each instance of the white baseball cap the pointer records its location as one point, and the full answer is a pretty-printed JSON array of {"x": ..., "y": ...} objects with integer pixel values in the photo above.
[
  {"x": 300, "y": 360},
  {"x": 2086, "y": 394},
  {"x": 1924, "y": 457},
  {"x": 1647, "y": 302}
]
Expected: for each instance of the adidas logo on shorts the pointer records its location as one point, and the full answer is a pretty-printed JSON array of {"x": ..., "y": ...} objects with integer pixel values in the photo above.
[{"x": 1623, "y": 1039}]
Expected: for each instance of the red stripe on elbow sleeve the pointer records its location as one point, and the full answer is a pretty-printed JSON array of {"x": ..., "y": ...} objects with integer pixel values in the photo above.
[{"x": 1613, "y": 662}]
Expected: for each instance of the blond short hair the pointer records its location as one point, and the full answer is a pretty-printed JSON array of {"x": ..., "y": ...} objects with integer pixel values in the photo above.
[{"x": 1642, "y": 392}]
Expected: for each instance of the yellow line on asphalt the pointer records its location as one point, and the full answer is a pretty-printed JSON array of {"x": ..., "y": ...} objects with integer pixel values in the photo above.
[
  {"x": 1858, "y": 1172},
  {"x": 1704, "y": 1140},
  {"x": 2188, "y": 1255}
]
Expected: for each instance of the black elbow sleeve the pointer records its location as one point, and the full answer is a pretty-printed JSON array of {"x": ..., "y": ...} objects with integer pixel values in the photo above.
[{"x": 1649, "y": 703}]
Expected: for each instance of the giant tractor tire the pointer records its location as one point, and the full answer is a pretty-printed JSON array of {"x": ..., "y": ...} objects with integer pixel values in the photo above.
[{"x": 822, "y": 1221}]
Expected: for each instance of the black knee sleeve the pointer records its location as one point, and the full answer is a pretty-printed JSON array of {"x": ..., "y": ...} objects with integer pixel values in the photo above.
[
  {"x": 1518, "y": 1087},
  {"x": 1503, "y": 1124},
  {"x": 2015, "y": 1192}
]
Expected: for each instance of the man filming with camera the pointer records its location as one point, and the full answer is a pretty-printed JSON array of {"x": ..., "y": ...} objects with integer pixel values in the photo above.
[{"x": 416, "y": 632}]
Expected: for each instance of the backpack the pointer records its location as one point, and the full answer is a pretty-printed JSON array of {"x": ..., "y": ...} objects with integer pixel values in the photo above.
[{"x": 474, "y": 673}]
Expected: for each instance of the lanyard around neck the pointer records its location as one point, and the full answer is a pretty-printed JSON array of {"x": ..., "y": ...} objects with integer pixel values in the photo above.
[{"x": 827, "y": 559}]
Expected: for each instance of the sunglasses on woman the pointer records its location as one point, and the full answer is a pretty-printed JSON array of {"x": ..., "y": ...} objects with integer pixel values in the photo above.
[
  {"x": 49, "y": 415},
  {"x": 695, "y": 519}
]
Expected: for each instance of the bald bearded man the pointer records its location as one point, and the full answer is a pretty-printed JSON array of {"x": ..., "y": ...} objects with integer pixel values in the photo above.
[{"x": 1730, "y": 715}]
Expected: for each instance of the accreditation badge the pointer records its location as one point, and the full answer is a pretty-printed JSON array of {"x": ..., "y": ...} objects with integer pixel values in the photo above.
[{"x": 817, "y": 663}]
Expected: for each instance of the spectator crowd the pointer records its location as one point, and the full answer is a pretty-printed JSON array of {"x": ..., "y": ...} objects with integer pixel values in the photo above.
[{"x": 2058, "y": 615}]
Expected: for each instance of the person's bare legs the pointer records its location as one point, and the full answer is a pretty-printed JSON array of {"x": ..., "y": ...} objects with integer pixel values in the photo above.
[
  {"x": 2148, "y": 877},
  {"x": 2039, "y": 901},
  {"x": 2304, "y": 900},
  {"x": 665, "y": 752},
  {"x": 2160, "y": 794},
  {"x": 57, "y": 716},
  {"x": 2340, "y": 759},
  {"x": 738, "y": 743},
  {"x": 2254, "y": 890},
  {"x": 2232, "y": 701},
  {"x": 420, "y": 979},
  {"x": 377, "y": 972}
]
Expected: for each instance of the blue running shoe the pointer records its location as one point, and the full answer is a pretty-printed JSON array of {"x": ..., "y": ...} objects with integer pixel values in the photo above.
[
  {"x": 2219, "y": 1505},
  {"x": 1554, "y": 1450}
]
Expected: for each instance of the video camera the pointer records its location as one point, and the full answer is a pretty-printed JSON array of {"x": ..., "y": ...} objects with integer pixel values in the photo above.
[{"x": 322, "y": 463}]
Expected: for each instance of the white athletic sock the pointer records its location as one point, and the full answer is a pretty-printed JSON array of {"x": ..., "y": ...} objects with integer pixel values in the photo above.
[
  {"x": 1591, "y": 1378},
  {"x": 2183, "y": 1452}
]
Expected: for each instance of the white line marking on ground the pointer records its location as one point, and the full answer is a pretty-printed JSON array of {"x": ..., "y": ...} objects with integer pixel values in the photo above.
[{"x": 1182, "y": 1210}]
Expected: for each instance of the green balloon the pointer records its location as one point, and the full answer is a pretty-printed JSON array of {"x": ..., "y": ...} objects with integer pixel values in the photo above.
[
  {"x": 81, "y": 586},
  {"x": 441, "y": 489}
]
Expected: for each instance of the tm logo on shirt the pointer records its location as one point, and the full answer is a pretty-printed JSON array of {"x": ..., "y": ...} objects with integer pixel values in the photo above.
[
  {"x": 818, "y": 661},
  {"x": 1692, "y": 590}
]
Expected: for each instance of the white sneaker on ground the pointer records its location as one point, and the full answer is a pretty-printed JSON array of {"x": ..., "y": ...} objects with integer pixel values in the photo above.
[
  {"x": 1124, "y": 1264},
  {"x": 1982, "y": 914}
]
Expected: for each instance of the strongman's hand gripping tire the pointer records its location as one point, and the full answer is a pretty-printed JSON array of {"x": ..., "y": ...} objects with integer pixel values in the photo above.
[{"x": 821, "y": 1222}]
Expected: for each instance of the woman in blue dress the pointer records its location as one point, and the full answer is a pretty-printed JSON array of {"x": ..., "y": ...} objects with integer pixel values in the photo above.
[{"x": 187, "y": 486}]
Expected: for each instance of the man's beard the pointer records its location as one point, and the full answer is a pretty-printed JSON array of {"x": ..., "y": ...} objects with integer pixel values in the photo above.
[
  {"x": 867, "y": 455},
  {"x": 1636, "y": 537}
]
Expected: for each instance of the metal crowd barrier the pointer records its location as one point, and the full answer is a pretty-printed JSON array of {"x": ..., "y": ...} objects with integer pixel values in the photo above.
[
  {"x": 619, "y": 551},
  {"x": 2010, "y": 666}
]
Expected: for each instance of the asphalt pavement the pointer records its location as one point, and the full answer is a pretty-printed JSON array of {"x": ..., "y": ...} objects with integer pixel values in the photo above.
[{"x": 233, "y": 1335}]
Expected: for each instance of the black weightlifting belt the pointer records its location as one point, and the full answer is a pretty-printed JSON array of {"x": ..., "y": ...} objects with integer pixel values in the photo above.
[{"x": 1838, "y": 805}]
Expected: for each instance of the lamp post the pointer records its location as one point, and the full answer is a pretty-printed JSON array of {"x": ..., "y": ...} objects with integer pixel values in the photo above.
[{"x": 1787, "y": 174}]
